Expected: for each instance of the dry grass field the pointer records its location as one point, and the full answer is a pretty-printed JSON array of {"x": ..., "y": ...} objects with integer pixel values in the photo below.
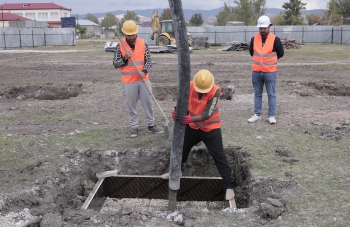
[{"x": 62, "y": 113}]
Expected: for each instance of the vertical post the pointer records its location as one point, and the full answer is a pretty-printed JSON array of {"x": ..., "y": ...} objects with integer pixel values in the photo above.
[
  {"x": 245, "y": 34},
  {"x": 302, "y": 36},
  {"x": 184, "y": 74},
  {"x": 332, "y": 35},
  {"x": 44, "y": 39},
  {"x": 341, "y": 35},
  {"x": 215, "y": 35},
  {"x": 4, "y": 40},
  {"x": 33, "y": 37},
  {"x": 20, "y": 39},
  {"x": 73, "y": 38}
]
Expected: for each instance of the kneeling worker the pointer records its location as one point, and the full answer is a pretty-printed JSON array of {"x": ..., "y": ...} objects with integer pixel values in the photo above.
[{"x": 203, "y": 124}]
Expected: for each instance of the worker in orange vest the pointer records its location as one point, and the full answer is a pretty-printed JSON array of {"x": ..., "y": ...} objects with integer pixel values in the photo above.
[
  {"x": 265, "y": 48},
  {"x": 133, "y": 86},
  {"x": 203, "y": 123}
]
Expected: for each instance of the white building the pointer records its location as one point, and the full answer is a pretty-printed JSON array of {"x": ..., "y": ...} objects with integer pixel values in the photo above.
[{"x": 50, "y": 13}]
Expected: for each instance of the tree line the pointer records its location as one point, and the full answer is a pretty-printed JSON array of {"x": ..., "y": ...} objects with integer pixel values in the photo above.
[{"x": 248, "y": 11}]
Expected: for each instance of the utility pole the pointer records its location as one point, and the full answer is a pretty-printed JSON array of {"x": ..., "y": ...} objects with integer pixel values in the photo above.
[{"x": 184, "y": 74}]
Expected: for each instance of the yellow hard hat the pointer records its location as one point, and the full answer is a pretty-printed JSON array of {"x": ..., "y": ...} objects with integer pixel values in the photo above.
[
  {"x": 129, "y": 28},
  {"x": 203, "y": 81}
]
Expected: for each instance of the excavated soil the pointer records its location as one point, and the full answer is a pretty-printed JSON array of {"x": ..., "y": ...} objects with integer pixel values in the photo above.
[{"x": 39, "y": 85}]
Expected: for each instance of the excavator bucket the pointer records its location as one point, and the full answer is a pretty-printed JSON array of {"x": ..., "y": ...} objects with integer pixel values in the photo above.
[{"x": 199, "y": 43}]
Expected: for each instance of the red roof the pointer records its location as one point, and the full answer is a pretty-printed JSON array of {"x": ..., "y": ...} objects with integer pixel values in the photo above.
[
  {"x": 31, "y": 6},
  {"x": 11, "y": 16}
]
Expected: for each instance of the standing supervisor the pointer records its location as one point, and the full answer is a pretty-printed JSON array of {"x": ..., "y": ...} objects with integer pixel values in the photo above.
[
  {"x": 266, "y": 49},
  {"x": 203, "y": 124},
  {"x": 134, "y": 88}
]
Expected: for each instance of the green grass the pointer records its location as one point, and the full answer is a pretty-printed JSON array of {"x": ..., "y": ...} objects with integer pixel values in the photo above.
[{"x": 326, "y": 52}]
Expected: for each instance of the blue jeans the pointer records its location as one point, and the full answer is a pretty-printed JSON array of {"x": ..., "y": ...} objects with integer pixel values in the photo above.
[{"x": 258, "y": 80}]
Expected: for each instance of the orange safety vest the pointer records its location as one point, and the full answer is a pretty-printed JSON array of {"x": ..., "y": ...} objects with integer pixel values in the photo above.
[
  {"x": 128, "y": 71},
  {"x": 264, "y": 59},
  {"x": 196, "y": 107}
]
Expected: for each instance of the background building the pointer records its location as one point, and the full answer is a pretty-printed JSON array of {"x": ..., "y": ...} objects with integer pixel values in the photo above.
[
  {"x": 92, "y": 29},
  {"x": 6, "y": 17},
  {"x": 50, "y": 13}
]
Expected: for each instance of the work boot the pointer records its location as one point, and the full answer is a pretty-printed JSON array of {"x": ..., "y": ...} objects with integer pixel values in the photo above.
[
  {"x": 154, "y": 129},
  {"x": 254, "y": 118},
  {"x": 134, "y": 132},
  {"x": 166, "y": 175},
  {"x": 230, "y": 194}
]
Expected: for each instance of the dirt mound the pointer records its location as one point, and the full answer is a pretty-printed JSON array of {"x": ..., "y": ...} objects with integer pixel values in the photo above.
[
  {"x": 322, "y": 88},
  {"x": 339, "y": 132},
  {"x": 45, "y": 92}
]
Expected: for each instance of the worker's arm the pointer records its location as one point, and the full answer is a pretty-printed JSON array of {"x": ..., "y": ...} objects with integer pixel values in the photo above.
[
  {"x": 278, "y": 47},
  {"x": 118, "y": 59},
  {"x": 148, "y": 61},
  {"x": 251, "y": 47},
  {"x": 211, "y": 106},
  {"x": 208, "y": 111}
]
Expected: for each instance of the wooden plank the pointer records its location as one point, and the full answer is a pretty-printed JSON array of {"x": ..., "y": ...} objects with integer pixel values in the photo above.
[
  {"x": 92, "y": 194},
  {"x": 114, "y": 173},
  {"x": 105, "y": 174}
]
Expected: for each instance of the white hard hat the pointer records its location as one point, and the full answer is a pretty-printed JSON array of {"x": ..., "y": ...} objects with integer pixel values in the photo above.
[{"x": 263, "y": 22}]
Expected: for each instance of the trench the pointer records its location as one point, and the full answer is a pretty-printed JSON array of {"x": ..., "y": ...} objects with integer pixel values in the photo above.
[{"x": 135, "y": 181}]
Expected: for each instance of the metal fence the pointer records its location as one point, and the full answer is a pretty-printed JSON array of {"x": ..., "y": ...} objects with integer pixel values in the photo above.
[
  {"x": 17, "y": 38},
  {"x": 302, "y": 34}
]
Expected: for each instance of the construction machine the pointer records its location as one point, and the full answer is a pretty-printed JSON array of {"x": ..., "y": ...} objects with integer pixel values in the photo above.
[{"x": 163, "y": 33}]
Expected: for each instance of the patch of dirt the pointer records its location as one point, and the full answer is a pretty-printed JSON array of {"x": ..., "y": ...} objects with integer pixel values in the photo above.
[
  {"x": 45, "y": 92},
  {"x": 339, "y": 132},
  {"x": 325, "y": 87}
]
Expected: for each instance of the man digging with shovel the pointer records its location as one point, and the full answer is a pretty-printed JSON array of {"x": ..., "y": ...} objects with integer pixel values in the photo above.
[
  {"x": 133, "y": 85},
  {"x": 203, "y": 123}
]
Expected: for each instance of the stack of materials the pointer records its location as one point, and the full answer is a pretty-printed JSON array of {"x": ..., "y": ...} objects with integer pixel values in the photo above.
[
  {"x": 290, "y": 44},
  {"x": 237, "y": 46}
]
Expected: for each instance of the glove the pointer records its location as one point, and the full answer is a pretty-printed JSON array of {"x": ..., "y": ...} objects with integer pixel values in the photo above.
[
  {"x": 187, "y": 119},
  {"x": 173, "y": 114}
]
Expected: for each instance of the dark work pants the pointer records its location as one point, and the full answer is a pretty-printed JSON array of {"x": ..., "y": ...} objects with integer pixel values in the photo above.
[{"x": 213, "y": 141}]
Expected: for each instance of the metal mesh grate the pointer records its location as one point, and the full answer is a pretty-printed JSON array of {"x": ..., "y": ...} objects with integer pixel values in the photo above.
[{"x": 191, "y": 188}]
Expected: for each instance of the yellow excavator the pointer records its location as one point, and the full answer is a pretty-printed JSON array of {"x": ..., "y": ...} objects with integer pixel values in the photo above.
[{"x": 163, "y": 33}]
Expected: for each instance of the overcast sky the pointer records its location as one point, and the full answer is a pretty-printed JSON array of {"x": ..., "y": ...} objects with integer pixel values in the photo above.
[{"x": 103, "y": 6}]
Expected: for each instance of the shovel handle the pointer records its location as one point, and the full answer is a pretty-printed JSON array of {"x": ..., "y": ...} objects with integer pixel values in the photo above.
[{"x": 139, "y": 72}]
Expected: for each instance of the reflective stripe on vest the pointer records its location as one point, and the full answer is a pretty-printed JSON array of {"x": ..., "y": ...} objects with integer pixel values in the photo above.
[
  {"x": 197, "y": 107},
  {"x": 264, "y": 59},
  {"x": 128, "y": 71}
]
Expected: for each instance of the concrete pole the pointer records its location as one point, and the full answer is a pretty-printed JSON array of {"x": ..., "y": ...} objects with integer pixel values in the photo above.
[{"x": 184, "y": 74}]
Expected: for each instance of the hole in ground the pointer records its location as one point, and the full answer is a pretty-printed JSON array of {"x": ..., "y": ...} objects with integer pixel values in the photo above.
[{"x": 59, "y": 191}]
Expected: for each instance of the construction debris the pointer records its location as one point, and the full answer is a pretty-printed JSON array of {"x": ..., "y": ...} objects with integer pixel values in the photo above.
[
  {"x": 199, "y": 43},
  {"x": 110, "y": 46},
  {"x": 290, "y": 43},
  {"x": 237, "y": 46}
]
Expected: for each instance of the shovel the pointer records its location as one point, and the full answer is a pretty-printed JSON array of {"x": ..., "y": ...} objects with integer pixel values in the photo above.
[{"x": 166, "y": 124}]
